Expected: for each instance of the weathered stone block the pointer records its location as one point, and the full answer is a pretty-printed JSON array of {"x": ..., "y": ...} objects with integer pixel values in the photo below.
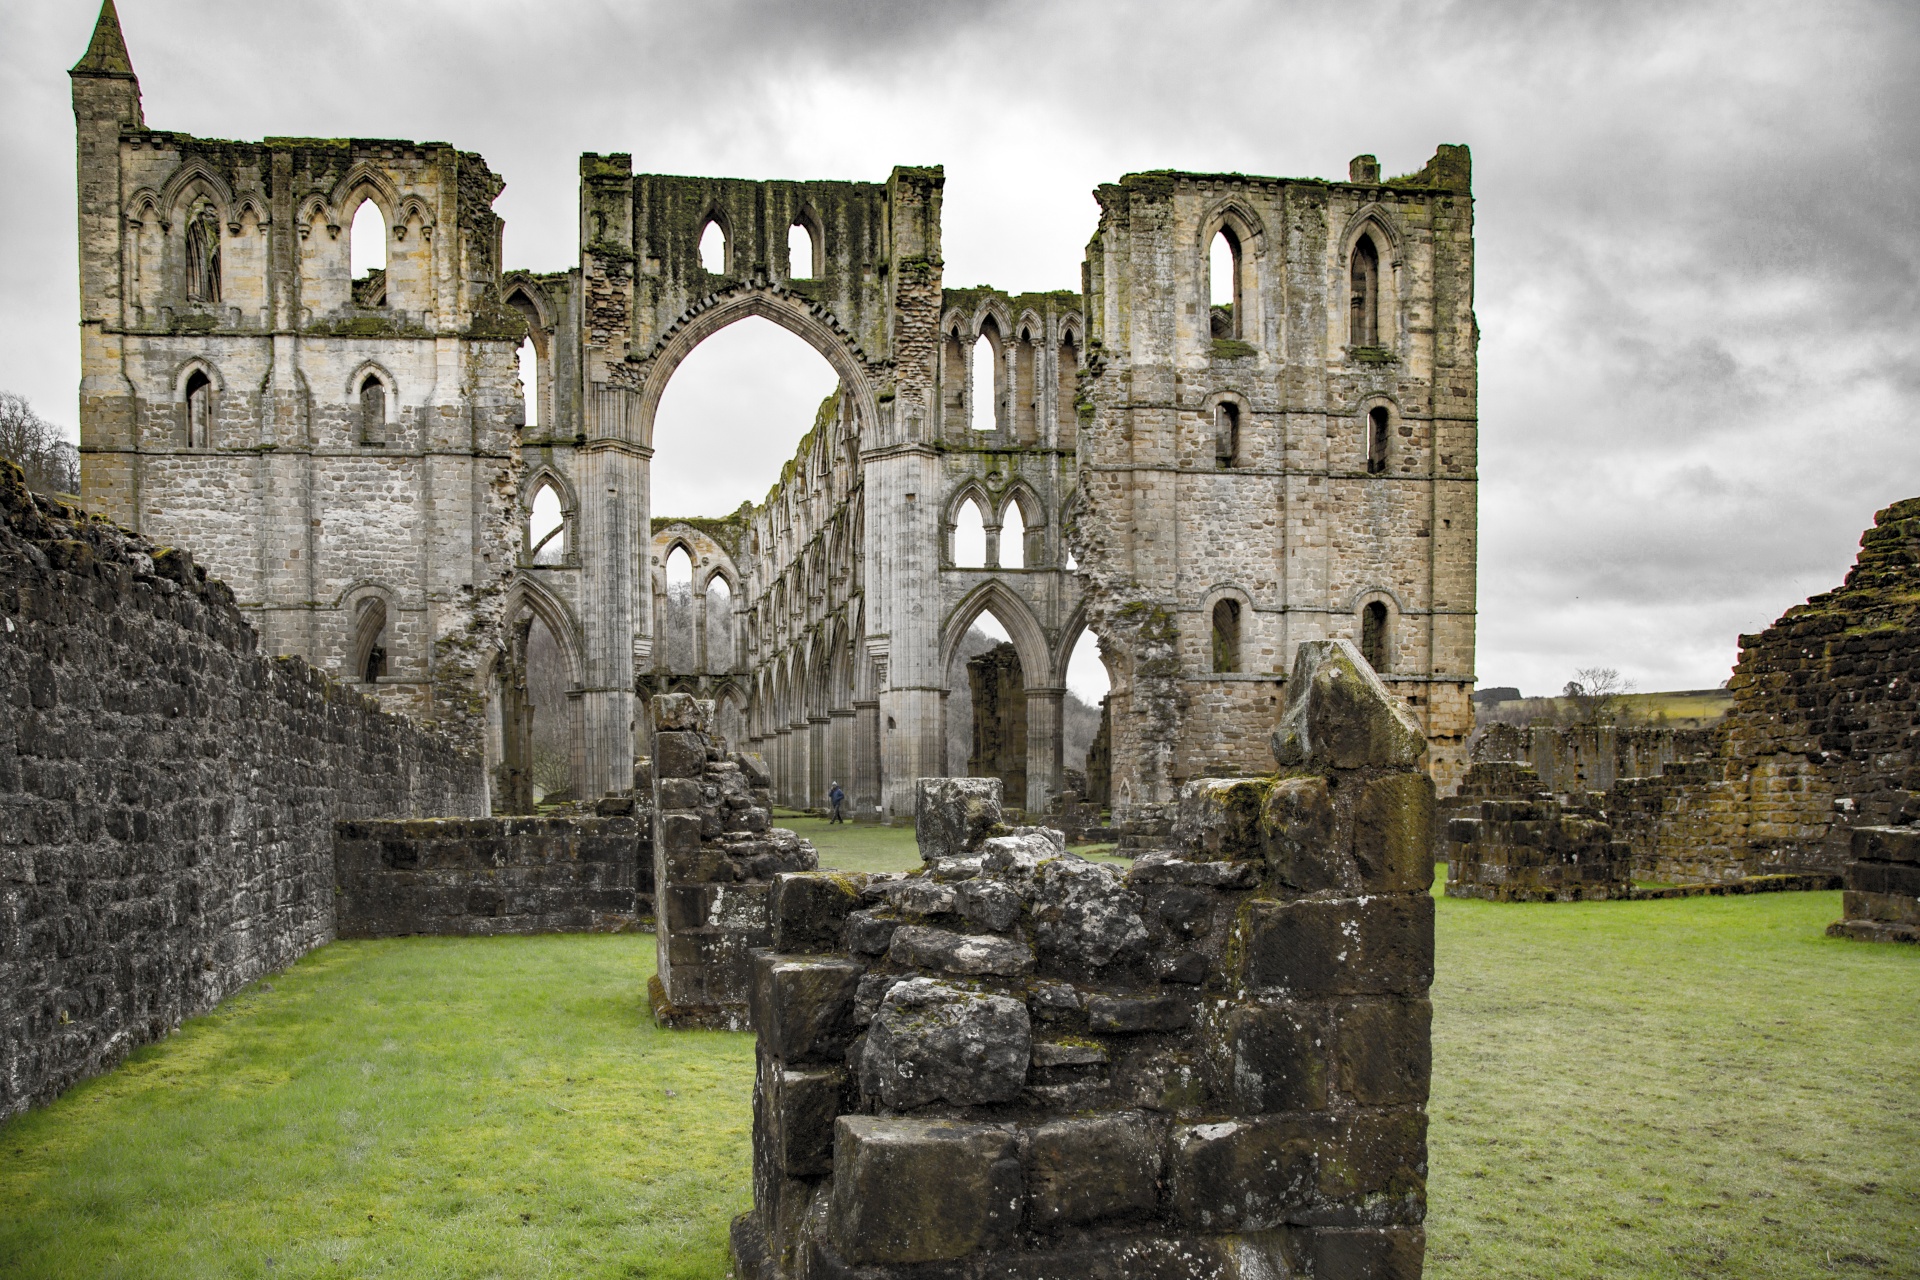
[
  {"x": 991, "y": 904},
  {"x": 1219, "y": 818},
  {"x": 1393, "y": 833},
  {"x": 1085, "y": 916},
  {"x": 932, "y": 1041},
  {"x": 907, "y": 1190},
  {"x": 953, "y": 816},
  {"x": 803, "y": 1008},
  {"x": 1375, "y": 1153},
  {"x": 1887, "y": 844},
  {"x": 1296, "y": 826},
  {"x": 1271, "y": 1058},
  {"x": 678, "y": 755},
  {"x": 1081, "y": 1171},
  {"x": 1383, "y": 1050},
  {"x": 810, "y": 909},
  {"x": 869, "y": 934},
  {"x": 1128, "y": 1014},
  {"x": 1377, "y": 945},
  {"x": 1339, "y": 715},
  {"x": 1244, "y": 1175},
  {"x": 959, "y": 953},
  {"x": 800, "y": 1108},
  {"x": 1368, "y": 1253}
]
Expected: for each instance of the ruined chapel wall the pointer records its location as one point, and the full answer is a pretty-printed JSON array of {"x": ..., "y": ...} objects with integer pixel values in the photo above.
[{"x": 169, "y": 794}]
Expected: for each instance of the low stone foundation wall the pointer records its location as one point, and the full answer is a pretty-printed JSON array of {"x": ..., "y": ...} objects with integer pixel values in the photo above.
[
  {"x": 1882, "y": 899},
  {"x": 1019, "y": 1063},
  {"x": 491, "y": 876},
  {"x": 1536, "y": 850}
]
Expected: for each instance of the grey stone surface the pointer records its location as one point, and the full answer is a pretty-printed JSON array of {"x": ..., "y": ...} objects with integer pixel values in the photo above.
[
  {"x": 1085, "y": 917},
  {"x": 933, "y": 1041},
  {"x": 1339, "y": 714},
  {"x": 953, "y": 816},
  {"x": 1084, "y": 1170},
  {"x": 908, "y": 1190},
  {"x": 959, "y": 953}
]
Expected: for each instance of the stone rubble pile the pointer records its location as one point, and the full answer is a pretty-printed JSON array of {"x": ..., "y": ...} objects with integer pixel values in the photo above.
[{"x": 1019, "y": 1062}]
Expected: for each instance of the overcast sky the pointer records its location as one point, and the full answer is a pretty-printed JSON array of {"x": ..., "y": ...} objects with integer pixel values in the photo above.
[{"x": 1696, "y": 225}]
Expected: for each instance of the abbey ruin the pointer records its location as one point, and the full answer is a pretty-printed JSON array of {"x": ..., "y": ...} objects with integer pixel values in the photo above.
[{"x": 1205, "y": 487}]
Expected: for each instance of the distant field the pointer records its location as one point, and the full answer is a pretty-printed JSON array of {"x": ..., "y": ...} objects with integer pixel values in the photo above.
[{"x": 1681, "y": 709}]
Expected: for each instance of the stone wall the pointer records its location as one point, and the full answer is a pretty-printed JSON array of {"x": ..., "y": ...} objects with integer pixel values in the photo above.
[
  {"x": 715, "y": 856},
  {"x": 491, "y": 875},
  {"x": 1016, "y": 1062},
  {"x": 1591, "y": 757},
  {"x": 167, "y": 795},
  {"x": 1537, "y": 850},
  {"x": 1882, "y": 898}
]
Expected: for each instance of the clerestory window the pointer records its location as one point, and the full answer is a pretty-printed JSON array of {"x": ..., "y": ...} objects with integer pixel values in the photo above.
[{"x": 1363, "y": 325}]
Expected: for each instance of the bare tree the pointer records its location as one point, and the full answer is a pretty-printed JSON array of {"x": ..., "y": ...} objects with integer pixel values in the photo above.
[
  {"x": 34, "y": 445},
  {"x": 1598, "y": 695}
]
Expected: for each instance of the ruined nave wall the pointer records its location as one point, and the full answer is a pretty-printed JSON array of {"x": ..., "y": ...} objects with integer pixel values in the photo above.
[{"x": 167, "y": 794}]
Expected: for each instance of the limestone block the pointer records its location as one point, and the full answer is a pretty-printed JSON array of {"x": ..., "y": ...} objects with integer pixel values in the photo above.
[
  {"x": 683, "y": 711},
  {"x": 1393, "y": 833},
  {"x": 1246, "y": 1174},
  {"x": 678, "y": 755},
  {"x": 933, "y": 1041},
  {"x": 799, "y": 1110},
  {"x": 810, "y": 909},
  {"x": 1887, "y": 844},
  {"x": 1269, "y": 1057},
  {"x": 1020, "y": 854},
  {"x": 921, "y": 896},
  {"x": 1081, "y": 1171},
  {"x": 1340, "y": 715},
  {"x": 959, "y": 953},
  {"x": 1375, "y": 1153},
  {"x": 907, "y": 1190},
  {"x": 1127, "y": 1014},
  {"x": 1345, "y": 946},
  {"x": 952, "y": 816},
  {"x": 1367, "y": 1253},
  {"x": 802, "y": 1008},
  {"x": 991, "y": 904},
  {"x": 1161, "y": 867},
  {"x": 1085, "y": 916},
  {"x": 1383, "y": 1050},
  {"x": 869, "y": 934},
  {"x": 1219, "y": 818},
  {"x": 1297, "y": 828}
]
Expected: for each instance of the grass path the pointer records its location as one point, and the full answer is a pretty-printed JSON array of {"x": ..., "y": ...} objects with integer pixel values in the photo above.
[{"x": 1701, "y": 1087}]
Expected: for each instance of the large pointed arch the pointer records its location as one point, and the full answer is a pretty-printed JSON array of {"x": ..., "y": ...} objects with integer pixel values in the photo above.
[
  {"x": 180, "y": 188},
  {"x": 1028, "y": 636},
  {"x": 527, "y": 594}
]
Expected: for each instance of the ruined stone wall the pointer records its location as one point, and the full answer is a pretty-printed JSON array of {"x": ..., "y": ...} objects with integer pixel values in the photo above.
[
  {"x": 1018, "y": 1062},
  {"x": 313, "y": 508},
  {"x": 999, "y": 719},
  {"x": 167, "y": 794},
  {"x": 1882, "y": 882},
  {"x": 484, "y": 876},
  {"x": 1297, "y": 523},
  {"x": 1537, "y": 850},
  {"x": 1573, "y": 758}
]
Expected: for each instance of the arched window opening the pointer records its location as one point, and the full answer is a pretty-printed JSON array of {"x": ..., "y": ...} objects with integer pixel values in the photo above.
[
  {"x": 1363, "y": 328},
  {"x": 1377, "y": 441},
  {"x": 1026, "y": 391},
  {"x": 203, "y": 255},
  {"x": 547, "y": 527},
  {"x": 720, "y": 650},
  {"x": 371, "y": 640},
  {"x": 1373, "y": 636},
  {"x": 800, "y": 260},
  {"x": 547, "y": 685},
  {"x": 1068, "y": 416},
  {"x": 1224, "y": 272},
  {"x": 749, "y": 391},
  {"x": 970, "y": 536},
  {"x": 987, "y": 709},
  {"x": 199, "y": 410},
  {"x": 713, "y": 249},
  {"x": 1226, "y": 433},
  {"x": 529, "y": 384},
  {"x": 1085, "y": 730},
  {"x": 1013, "y": 538},
  {"x": 373, "y": 411},
  {"x": 676, "y": 628},
  {"x": 986, "y": 383},
  {"x": 367, "y": 255},
  {"x": 1226, "y": 637}
]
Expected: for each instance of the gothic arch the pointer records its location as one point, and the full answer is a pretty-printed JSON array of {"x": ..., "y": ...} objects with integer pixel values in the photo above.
[
  {"x": 316, "y": 206},
  {"x": 379, "y": 371},
  {"x": 191, "y": 366},
  {"x": 1029, "y": 638},
  {"x": 1033, "y": 511},
  {"x": 527, "y": 595},
  {"x": 364, "y": 182},
  {"x": 180, "y": 188},
  {"x": 1236, "y": 215},
  {"x": 800, "y": 316},
  {"x": 371, "y": 610},
  {"x": 144, "y": 201},
  {"x": 1377, "y": 215}
]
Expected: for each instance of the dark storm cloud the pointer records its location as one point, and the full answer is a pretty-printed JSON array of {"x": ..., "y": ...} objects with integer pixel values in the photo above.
[{"x": 1697, "y": 255}]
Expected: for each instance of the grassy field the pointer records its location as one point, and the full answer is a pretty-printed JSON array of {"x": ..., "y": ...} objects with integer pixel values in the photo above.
[{"x": 1701, "y": 1087}]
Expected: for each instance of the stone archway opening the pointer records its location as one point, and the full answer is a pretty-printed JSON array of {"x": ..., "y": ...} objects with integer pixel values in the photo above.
[
  {"x": 1086, "y": 727},
  {"x": 987, "y": 708}
]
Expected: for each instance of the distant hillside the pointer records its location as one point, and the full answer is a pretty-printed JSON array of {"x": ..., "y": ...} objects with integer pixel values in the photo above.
[{"x": 1677, "y": 709}]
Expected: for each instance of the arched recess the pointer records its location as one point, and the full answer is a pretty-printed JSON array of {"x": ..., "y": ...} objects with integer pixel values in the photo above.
[
  {"x": 536, "y": 308},
  {"x": 1229, "y": 419},
  {"x": 1376, "y": 614},
  {"x": 536, "y": 545},
  {"x": 1376, "y": 227},
  {"x": 971, "y": 492},
  {"x": 1023, "y": 629},
  {"x": 790, "y": 312},
  {"x": 1032, "y": 524},
  {"x": 1232, "y": 631},
  {"x": 370, "y": 656},
  {"x": 198, "y": 390},
  {"x": 190, "y": 182},
  {"x": 1374, "y": 434}
]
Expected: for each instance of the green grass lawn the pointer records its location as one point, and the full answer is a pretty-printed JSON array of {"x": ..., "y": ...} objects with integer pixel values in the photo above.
[{"x": 1697, "y": 1087}]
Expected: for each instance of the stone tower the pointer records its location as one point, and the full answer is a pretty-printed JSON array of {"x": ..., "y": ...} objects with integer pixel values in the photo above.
[{"x": 340, "y": 451}]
